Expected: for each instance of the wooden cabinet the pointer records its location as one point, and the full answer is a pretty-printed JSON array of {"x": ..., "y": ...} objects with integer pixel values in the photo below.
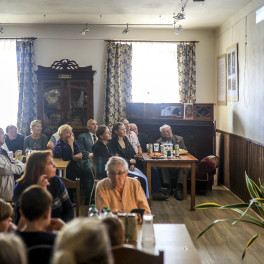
[{"x": 65, "y": 92}]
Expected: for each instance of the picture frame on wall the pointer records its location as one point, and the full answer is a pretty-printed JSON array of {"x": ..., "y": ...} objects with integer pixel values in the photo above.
[
  {"x": 188, "y": 111},
  {"x": 221, "y": 79},
  {"x": 232, "y": 73},
  {"x": 174, "y": 111}
]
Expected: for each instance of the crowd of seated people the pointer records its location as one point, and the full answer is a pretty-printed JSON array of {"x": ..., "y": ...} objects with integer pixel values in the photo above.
[{"x": 42, "y": 203}]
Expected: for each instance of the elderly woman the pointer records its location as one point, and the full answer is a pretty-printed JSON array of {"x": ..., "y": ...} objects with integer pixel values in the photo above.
[
  {"x": 82, "y": 241},
  {"x": 119, "y": 192},
  {"x": 67, "y": 148},
  {"x": 36, "y": 141},
  {"x": 41, "y": 170}
]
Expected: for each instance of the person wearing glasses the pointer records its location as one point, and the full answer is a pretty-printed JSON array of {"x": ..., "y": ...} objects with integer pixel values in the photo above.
[
  {"x": 118, "y": 192},
  {"x": 168, "y": 137}
]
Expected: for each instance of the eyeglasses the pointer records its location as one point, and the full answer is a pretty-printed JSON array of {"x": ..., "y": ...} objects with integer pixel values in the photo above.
[
  {"x": 113, "y": 173},
  {"x": 166, "y": 131}
]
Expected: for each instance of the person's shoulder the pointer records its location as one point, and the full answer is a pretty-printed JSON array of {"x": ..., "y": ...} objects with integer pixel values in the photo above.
[
  {"x": 20, "y": 136},
  {"x": 103, "y": 183},
  {"x": 43, "y": 136},
  {"x": 133, "y": 134},
  {"x": 82, "y": 135},
  {"x": 28, "y": 137},
  {"x": 178, "y": 137},
  {"x": 159, "y": 140}
]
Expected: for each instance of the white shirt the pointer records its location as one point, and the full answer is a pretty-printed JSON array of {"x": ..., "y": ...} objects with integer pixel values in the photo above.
[{"x": 92, "y": 135}]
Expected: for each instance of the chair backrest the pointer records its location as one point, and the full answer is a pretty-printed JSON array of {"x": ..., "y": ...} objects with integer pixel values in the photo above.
[
  {"x": 69, "y": 184},
  {"x": 129, "y": 255},
  {"x": 91, "y": 157}
]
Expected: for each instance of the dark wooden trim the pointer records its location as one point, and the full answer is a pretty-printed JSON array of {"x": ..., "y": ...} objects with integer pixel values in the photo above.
[{"x": 241, "y": 155}]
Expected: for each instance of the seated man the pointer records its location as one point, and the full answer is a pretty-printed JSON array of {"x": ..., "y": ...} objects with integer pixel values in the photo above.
[
  {"x": 168, "y": 137},
  {"x": 8, "y": 167},
  {"x": 118, "y": 192},
  {"x": 14, "y": 141},
  {"x": 35, "y": 209}
]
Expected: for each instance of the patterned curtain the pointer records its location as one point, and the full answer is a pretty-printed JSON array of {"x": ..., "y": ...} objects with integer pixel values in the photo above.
[
  {"x": 187, "y": 72},
  {"x": 27, "y": 85},
  {"x": 118, "y": 67}
]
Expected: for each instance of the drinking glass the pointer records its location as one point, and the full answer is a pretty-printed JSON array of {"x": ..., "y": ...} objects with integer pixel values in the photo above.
[{"x": 148, "y": 238}]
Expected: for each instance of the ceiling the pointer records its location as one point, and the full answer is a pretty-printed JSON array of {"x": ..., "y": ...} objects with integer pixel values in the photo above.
[{"x": 199, "y": 15}]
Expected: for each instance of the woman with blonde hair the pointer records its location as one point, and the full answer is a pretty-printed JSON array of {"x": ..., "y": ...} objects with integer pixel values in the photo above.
[
  {"x": 67, "y": 148},
  {"x": 36, "y": 141},
  {"x": 82, "y": 241},
  {"x": 12, "y": 250}
]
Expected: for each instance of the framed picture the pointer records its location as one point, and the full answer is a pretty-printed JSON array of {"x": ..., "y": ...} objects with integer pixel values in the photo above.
[
  {"x": 188, "y": 111},
  {"x": 221, "y": 79},
  {"x": 172, "y": 111},
  {"x": 232, "y": 73}
]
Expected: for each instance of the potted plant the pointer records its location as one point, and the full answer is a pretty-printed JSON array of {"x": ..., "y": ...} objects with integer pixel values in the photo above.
[{"x": 257, "y": 201}]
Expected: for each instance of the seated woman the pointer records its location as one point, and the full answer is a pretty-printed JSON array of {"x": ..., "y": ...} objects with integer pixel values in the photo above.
[
  {"x": 6, "y": 212},
  {"x": 67, "y": 148},
  {"x": 82, "y": 241},
  {"x": 41, "y": 170},
  {"x": 35, "y": 141},
  {"x": 121, "y": 146},
  {"x": 118, "y": 192},
  {"x": 101, "y": 153}
]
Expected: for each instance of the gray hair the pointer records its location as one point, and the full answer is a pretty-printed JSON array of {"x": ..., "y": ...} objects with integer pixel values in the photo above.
[
  {"x": 164, "y": 126},
  {"x": 113, "y": 161},
  {"x": 83, "y": 240},
  {"x": 12, "y": 249},
  {"x": 90, "y": 120}
]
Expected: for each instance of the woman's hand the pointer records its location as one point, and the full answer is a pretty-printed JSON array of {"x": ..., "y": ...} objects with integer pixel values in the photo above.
[
  {"x": 77, "y": 156},
  {"x": 132, "y": 167},
  {"x": 132, "y": 161},
  {"x": 71, "y": 139},
  {"x": 43, "y": 181}
]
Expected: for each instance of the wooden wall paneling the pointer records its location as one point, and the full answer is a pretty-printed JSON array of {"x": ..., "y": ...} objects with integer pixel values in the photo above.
[{"x": 226, "y": 160}]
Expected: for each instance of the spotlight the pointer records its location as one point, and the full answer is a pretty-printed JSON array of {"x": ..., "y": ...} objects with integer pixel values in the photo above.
[
  {"x": 178, "y": 29},
  {"x": 125, "y": 31},
  {"x": 84, "y": 31},
  {"x": 1, "y": 30},
  {"x": 180, "y": 15}
]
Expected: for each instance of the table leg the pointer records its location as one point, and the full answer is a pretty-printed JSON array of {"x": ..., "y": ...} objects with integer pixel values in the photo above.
[
  {"x": 64, "y": 173},
  {"x": 60, "y": 172},
  {"x": 185, "y": 183},
  {"x": 149, "y": 181},
  {"x": 193, "y": 186}
]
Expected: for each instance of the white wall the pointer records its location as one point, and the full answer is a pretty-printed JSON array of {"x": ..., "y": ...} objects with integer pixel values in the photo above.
[
  {"x": 56, "y": 42},
  {"x": 244, "y": 117}
]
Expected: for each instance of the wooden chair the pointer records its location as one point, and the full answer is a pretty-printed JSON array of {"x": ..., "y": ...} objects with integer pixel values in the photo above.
[
  {"x": 127, "y": 254},
  {"x": 69, "y": 184},
  {"x": 94, "y": 174}
]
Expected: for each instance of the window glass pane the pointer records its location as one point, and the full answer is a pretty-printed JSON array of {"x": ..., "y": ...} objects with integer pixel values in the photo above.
[
  {"x": 8, "y": 83},
  {"x": 155, "y": 73}
]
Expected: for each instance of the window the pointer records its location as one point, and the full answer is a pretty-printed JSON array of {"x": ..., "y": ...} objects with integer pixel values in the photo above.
[
  {"x": 8, "y": 83},
  {"x": 155, "y": 73}
]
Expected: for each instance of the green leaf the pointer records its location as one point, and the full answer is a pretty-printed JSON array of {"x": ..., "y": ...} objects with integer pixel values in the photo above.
[
  {"x": 251, "y": 241},
  {"x": 207, "y": 205},
  {"x": 250, "y": 187},
  {"x": 243, "y": 213},
  {"x": 232, "y": 206}
]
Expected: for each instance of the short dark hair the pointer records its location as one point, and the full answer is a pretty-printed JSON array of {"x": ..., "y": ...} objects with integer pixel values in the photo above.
[
  {"x": 116, "y": 127},
  {"x": 34, "y": 202},
  {"x": 100, "y": 130},
  {"x": 10, "y": 126}
]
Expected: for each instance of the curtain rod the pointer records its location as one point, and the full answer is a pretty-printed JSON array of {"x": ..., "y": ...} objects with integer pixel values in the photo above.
[
  {"x": 20, "y": 38},
  {"x": 165, "y": 41}
]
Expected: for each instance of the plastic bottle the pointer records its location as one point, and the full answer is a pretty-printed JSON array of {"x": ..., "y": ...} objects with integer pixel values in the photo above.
[
  {"x": 148, "y": 238},
  {"x": 95, "y": 214},
  {"x": 109, "y": 213},
  {"x": 90, "y": 210}
]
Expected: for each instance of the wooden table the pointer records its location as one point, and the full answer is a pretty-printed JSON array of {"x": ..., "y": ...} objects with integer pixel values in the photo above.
[
  {"x": 183, "y": 161},
  {"x": 61, "y": 165},
  {"x": 175, "y": 241}
]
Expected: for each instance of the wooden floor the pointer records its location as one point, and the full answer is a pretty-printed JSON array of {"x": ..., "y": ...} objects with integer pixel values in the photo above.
[{"x": 222, "y": 244}]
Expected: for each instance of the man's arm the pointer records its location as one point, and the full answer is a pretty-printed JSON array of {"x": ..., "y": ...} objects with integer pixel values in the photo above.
[
  {"x": 7, "y": 168},
  {"x": 84, "y": 146},
  {"x": 101, "y": 197}
]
